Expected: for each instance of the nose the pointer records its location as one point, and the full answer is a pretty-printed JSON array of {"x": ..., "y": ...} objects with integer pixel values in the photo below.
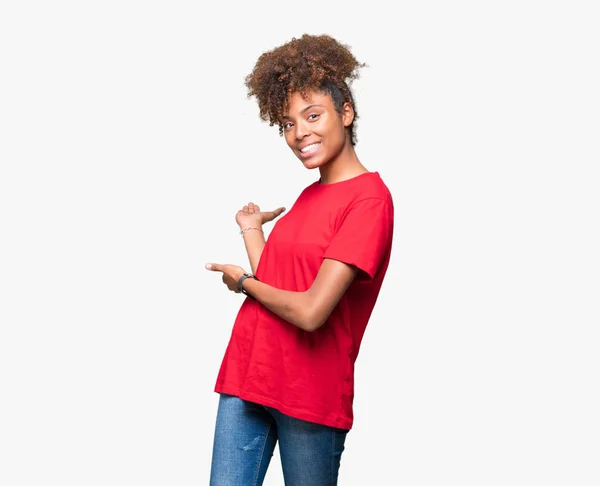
[{"x": 301, "y": 130}]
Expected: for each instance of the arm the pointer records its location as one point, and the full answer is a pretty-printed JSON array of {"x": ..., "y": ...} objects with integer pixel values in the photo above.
[
  {"x": 310, "y": 309},
  {"x": 362, "y": 241},
  {"x": 307, "y": 310},
  {"x": 251, "y": 216},
  {"x": 255, "y": 242}
]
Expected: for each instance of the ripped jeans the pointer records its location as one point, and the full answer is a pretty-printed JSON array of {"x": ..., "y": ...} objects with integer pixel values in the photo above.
[{"x": 245, "y": 438}]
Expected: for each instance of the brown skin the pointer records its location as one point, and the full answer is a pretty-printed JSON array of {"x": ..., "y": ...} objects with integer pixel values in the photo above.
[
  {"x": 337, "y": 161},
  {"x": 316, "y": 120},
  {"x": 301, "y": 65},
  {"x": 251, "y": 216},
  {"x": 307, "y": 310}
]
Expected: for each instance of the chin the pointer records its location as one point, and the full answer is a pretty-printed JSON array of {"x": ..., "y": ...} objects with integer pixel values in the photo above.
[
  {"x": 312, "y": 164},
  {"x": 308, "y": 165}
]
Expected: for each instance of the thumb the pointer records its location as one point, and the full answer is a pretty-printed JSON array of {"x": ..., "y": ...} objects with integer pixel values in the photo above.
[
  {"x": 215, "y": 267},
  {"x": 276, "y": 212}
]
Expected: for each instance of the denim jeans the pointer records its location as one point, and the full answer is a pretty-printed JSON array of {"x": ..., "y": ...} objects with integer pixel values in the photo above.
[{"x": 245, "y": 438}]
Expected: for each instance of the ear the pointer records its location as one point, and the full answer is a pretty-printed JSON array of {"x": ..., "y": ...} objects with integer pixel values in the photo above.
[{"x": 347, "y": 114}]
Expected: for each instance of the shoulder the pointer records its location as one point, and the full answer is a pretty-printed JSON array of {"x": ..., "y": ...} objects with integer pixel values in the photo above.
[{"x": 372, "y": 187}]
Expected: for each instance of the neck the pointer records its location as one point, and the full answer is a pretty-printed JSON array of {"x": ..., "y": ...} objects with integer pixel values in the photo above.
[{"x": 344, "y": 166}]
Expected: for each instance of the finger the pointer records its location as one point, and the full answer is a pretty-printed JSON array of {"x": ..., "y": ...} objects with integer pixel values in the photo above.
[
  {"x": 251, "y": 208},
  {"x": 215, "y": 267},
  {"x": 273, "y": 214},
  {"x": 245, "y": 209}
]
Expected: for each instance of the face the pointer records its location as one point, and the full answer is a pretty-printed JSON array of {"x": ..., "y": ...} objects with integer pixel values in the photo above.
[{"x": 314, "y": 130}]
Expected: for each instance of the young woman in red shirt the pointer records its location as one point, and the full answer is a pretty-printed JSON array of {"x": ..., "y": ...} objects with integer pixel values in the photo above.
[{"x": 288, "y": 370}]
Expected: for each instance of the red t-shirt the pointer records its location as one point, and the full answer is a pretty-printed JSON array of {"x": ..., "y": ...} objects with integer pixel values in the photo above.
[{"x": 310, "y": 375}]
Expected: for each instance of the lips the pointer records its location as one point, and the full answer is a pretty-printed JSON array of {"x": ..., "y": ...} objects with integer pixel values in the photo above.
[{"x": 309, "y": 149}]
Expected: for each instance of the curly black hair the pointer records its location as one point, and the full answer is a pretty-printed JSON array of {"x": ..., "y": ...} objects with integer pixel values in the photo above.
[{"x": 313, "y": 62}]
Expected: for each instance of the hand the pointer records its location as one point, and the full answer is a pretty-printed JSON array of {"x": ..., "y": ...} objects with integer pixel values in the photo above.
[
  {"x": 231, "y": 274},
  {"x": 251, "y": 215}
]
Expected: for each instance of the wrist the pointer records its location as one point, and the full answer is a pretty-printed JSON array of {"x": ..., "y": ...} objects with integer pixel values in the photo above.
[
  {"x": 256, "y": 224},
  {"x": 247, "y": 229},
  {"x": 243, "y": 278}
]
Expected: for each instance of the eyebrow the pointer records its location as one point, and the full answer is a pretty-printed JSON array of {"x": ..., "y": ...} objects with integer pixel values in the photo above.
[{"x": 305, "y": 109}]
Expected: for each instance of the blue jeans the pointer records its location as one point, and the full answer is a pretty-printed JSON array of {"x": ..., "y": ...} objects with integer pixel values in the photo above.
[{"x": 245, "y": 438}]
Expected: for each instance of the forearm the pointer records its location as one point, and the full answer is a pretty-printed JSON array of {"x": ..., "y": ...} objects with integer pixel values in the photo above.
[
  {"x": 254, "y": 242},
  {"x": 294, "y": 307}
]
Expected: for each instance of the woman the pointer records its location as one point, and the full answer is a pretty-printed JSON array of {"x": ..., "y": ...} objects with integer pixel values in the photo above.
[{"x": 288, "y": 371}]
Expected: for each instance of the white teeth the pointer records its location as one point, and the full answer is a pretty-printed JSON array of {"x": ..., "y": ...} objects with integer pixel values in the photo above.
[{"x": 309, "y": 147}]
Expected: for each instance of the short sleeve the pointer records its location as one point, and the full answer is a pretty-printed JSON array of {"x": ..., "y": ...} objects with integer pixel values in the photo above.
[{"x": 364, "y": 236}]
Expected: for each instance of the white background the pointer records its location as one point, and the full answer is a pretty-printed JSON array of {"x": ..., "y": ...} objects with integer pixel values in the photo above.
[{"x": 127, "y": 145}]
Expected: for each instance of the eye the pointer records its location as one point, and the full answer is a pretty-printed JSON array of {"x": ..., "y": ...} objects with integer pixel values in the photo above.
[
  {"x": 285, "y": 125},
  {"x": 316, "y": 115}
]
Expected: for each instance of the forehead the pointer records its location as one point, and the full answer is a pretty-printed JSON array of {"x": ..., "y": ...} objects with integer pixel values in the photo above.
[{"x": 295, "y": 102}]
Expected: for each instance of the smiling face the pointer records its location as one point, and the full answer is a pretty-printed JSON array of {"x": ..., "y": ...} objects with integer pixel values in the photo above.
[{"x": 314, "y": 130}]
